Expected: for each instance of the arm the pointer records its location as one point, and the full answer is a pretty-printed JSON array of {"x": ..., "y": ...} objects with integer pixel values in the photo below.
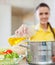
[
  {"x": 25, "y": 31},
  {"x": 22, "y": 30}
]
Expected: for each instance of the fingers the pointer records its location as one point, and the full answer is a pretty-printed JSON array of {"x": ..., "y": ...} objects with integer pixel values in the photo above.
[
  {"x": 22, "y": 30},
  {"x": 25, "y": 30}
]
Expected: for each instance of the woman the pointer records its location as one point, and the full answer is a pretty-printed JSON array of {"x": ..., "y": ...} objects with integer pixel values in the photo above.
[{"x": 44, "y": 31}]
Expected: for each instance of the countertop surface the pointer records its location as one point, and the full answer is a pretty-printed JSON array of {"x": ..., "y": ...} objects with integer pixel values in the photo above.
[{"x": 24, "y": 62}]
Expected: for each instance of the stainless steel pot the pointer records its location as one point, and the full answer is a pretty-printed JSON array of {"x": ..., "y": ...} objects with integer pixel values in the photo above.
[{"x": 39, "y": 52}]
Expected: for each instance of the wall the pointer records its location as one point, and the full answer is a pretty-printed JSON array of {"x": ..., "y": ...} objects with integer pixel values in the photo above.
[
  {"x": 16, "y": 23},
  {"x": 29, "y": 19},
  {"x": 5, "y": 24},
  {"x": 23, "y": 3}
]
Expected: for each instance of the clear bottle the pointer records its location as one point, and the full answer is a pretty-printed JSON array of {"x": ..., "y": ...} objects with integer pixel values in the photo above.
[{"x": 15, "y": 40}]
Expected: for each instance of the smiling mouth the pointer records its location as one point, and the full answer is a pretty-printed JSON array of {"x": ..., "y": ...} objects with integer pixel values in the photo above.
[{"x": 44, "y": 19}]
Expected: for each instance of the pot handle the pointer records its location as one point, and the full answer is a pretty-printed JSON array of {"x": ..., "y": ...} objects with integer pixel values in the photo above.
[{"x": 25, "y": 45}]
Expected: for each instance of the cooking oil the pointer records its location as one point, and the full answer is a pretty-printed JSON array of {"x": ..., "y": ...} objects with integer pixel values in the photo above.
[{"x": 15, "y": 40}]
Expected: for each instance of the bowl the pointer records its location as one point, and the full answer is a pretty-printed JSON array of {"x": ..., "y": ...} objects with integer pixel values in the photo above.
[{"x": 8, "y": 61}]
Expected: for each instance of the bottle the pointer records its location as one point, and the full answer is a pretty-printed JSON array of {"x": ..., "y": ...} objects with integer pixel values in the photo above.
[{"x": 15, "y": 40}]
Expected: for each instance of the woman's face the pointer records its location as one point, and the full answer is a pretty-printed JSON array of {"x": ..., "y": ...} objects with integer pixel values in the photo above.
[{"x": 44, "y": 13}]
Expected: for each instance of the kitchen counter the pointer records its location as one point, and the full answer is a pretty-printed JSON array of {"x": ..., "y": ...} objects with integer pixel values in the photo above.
[{"x": 23, "y": 62}]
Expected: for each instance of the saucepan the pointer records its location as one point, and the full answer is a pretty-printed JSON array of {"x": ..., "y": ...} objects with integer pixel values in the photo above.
[{"x": 39, "y": 52}]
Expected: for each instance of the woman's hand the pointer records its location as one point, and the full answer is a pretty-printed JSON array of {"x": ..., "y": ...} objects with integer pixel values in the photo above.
[{"x": 22, "y": 30}]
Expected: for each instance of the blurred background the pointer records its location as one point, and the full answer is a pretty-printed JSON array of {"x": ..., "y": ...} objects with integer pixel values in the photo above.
[{"x": 13, "y": 13}]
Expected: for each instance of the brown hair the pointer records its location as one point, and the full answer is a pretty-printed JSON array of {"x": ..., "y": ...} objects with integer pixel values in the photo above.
[
  {"x": 51, "y": 30},
  {"x": 42, "y": 5}
]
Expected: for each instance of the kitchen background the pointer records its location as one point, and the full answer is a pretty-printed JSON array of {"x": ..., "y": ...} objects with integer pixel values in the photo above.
[{"x": 13, "y": 13}]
